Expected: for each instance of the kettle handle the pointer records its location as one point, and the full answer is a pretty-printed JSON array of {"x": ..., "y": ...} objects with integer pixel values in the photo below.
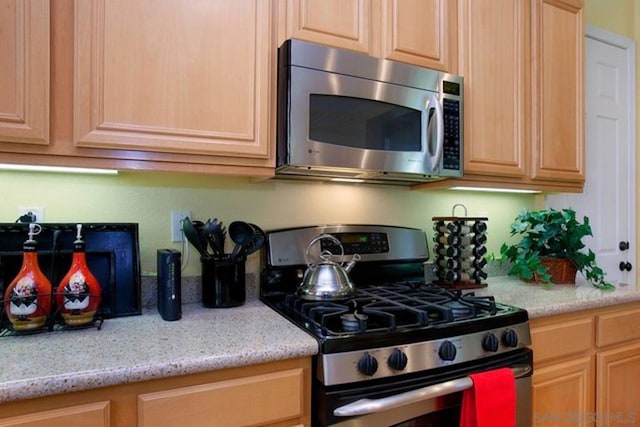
[{"x": 317, "y": 239}]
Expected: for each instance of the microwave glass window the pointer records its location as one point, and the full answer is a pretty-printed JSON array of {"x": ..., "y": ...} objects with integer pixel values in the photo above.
[{"x": 363, "y": 123}]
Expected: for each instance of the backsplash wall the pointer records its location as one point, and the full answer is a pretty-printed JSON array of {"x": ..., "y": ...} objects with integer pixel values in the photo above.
[{"x": 148, "y": 198}]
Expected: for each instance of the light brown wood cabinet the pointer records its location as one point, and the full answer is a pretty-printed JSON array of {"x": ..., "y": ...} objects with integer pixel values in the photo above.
[
  {"x": 184, "y": 86},
  {"x": 557, "y": 99},
  {"x": 586, "y": 367},
  {"x": 419, "y": 32},
  {"x": 273, "y": 394},
  {"x": 177, "y": 86},
  {"x": 24, "y": 79},
  {"x": 90, "y": 414},
  {"x": 257, "y": 400},
  {"x": 523, "y": 65}
]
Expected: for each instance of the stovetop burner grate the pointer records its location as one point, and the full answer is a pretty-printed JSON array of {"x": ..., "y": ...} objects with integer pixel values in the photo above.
[{"x": 391, "y": 307}]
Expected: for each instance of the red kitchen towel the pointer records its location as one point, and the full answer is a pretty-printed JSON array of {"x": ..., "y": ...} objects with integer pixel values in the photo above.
[{"x": 491, "y": 402}]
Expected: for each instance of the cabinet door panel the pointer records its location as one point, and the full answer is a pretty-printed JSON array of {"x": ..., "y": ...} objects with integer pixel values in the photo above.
[
  {"x": 339, "y": 23},
  {"x": 24, "y": 75},
  {"x": 493, "y": 61},
  {"x": 92, "y": 414},
  {"x": 173, "y": 76},
  {"x": 563, "y": 393},
  {"x": 617, "y": 327},
  {"x": 618, "y": 385},
  {"x": 420, "y": 32},
  {"x": 256, "y": 400},
  {"x": 558, "y": 90},
  {"x": 563, "y": 339}
]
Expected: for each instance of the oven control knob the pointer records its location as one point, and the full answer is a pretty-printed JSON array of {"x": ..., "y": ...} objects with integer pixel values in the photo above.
[
  {"x": 490, "y": 342},
  {"x": 397, "y": 360},
  {"x": 367, "y": 365},
  {"x": 510, "y": 338},
  {"x": 447, "y": 351}
]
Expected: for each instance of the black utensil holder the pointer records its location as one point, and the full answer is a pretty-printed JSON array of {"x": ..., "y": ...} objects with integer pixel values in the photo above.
[{"x": 223, "y": 282}]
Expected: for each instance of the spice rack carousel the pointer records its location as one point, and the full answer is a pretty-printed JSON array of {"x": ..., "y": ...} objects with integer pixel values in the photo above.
[{"x": 459, "y": 249}]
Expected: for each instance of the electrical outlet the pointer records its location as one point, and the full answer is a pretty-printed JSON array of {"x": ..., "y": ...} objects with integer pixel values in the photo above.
[
  {"x": 176, "y": 225},
  {"x": 36, "y": 212}
]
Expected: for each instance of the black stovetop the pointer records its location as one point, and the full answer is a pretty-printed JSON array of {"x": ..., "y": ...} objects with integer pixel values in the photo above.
[{"x": 392, "y": 314}]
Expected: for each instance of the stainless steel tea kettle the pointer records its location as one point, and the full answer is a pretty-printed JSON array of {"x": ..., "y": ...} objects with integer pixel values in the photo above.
[{"x": 327, "y": 280}]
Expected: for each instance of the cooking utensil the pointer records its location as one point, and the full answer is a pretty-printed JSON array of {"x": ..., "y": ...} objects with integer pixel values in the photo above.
[
  {"x": 201, "y": 232},
  {"x": 256, "y": 242},
  {"x": 193, "y": 236},
  {"x": 215, "y": 234},
  {"x": 220, "y": 234},
  {"x": 241, "y": 233},
  {"x": 327, "y": 280}
]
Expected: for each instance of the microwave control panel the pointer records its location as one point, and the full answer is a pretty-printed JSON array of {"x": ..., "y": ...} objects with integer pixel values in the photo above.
[{"x": 451, "y": 146}]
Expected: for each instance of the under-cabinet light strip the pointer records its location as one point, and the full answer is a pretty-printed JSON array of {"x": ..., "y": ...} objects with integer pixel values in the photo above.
[
  {"x": 496, "y": 190},
  {"x": 56, "y": 169}
]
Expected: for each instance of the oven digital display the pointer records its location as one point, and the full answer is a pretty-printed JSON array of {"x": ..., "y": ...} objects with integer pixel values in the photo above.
[
  {"x": 354, "y": 238},
  {"x": 358, "y": 243}
]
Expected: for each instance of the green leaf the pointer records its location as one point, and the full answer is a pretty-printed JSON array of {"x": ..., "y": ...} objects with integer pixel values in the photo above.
[{"x": 555, "y": 233}]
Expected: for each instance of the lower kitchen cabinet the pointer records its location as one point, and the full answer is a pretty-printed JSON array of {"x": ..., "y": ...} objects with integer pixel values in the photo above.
[
  {"x": 272, "y": 394},
  {"x": 91, "y": 414},
  {"x": 563, "y": 390},
  {"x": 586, "y": 367},
  {"x": 255, "y": 400}
]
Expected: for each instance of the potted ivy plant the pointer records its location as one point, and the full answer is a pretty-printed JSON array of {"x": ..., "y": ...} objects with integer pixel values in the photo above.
[{"x": 551, "y": 246}]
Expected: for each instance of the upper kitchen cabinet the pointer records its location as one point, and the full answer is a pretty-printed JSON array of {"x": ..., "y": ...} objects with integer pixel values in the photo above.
[
  {"x": 420, "y": 32},
  {"x": 522, "y": 63},
  {"x": 558, "y": 90},
  {"x": 174, "y": 76},
  {"x": 494, "y": 61},
  {"x": 24, "y": 79},
  {"x": 340, "y": 23},
  {"x": 141, "y": 85}
]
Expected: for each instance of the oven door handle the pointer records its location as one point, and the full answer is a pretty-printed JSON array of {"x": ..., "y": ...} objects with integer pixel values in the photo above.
[{"x": 370, "y": 406}]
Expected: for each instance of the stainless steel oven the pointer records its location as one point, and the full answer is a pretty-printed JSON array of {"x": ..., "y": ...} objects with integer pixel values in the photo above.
[
  {"x": 407, "y": 357},
  {"x": 432, "y": 399},
  {"x": 345, "y": 115}
]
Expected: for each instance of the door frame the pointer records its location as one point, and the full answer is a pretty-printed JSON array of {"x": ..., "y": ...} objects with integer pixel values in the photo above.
[{"x": 629, "y": 46}]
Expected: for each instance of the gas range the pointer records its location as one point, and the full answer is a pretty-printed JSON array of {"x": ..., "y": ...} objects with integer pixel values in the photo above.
[{"x": 396, "y": 324}]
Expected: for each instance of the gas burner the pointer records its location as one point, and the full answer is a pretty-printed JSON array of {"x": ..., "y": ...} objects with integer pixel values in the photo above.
[
  {"x": 354, "y": 322},
  {"x": 391, "y": 307}
]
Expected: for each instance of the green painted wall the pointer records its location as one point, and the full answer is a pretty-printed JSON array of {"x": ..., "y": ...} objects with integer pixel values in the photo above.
[
  {"x": 148, "y": 198},
  {"x": 617, "y": 16}
]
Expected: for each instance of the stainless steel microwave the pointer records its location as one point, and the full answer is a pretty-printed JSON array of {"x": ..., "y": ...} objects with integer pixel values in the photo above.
[{"x": 348, "y": 116}]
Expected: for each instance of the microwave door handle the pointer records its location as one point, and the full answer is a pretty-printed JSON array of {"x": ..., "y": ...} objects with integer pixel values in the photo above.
[
  {"x": 434, "y": 103},
  {"x": 371, "y": 406}
]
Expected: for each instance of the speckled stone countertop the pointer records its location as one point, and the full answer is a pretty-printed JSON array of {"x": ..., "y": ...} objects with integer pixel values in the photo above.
[
  {"x": 145, "y": 347},
  {"x": 541, "y": 301}
]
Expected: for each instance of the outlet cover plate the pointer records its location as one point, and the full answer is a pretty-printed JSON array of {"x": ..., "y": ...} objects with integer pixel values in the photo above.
[
  {"x": 37, "y": 211},
  {"x": 176, "y": 225}
]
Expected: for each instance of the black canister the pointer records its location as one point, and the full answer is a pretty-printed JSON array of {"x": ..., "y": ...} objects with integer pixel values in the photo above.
[
  {"x": 223, "y": 282},
  {"x": 169, "y": 286}
]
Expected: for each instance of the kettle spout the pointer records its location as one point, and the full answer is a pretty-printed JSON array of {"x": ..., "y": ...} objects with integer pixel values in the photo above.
[{"x": 354, "y": 259}]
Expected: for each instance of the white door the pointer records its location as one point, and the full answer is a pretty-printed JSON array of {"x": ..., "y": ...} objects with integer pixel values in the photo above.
[{"x": 609, "y": 193}]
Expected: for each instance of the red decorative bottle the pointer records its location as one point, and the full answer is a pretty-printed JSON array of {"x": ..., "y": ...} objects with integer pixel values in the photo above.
[
  {"x": 78, "y": 294},
  {"x": 27, "y": 299}
]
